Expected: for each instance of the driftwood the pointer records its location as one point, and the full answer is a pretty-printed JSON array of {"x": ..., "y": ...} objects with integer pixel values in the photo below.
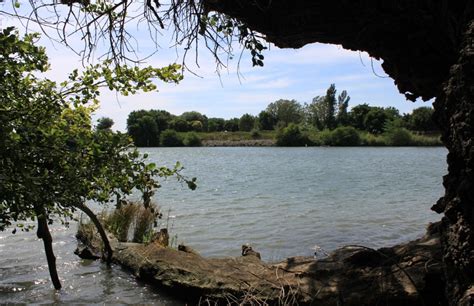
[{"x": 407, "y": 274}]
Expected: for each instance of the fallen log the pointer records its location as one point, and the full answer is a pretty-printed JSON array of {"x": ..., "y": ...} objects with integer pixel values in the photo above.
[{"x": 406, "y": 274}]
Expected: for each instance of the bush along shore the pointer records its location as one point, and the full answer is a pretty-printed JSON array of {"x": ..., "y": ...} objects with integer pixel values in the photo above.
[
  {"x": 295, "y": 135},
  {"x": 406, "y": 274}
]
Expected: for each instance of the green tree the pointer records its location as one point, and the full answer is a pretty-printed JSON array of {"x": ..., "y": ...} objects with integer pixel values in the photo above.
[
  {"x": 321, "y": 112},
  {"x": 392, "y": 113},
  {"x": 232, "y": 125},
  {"x": 357, "y": 115},
  {"x": 342, "y": 117},
  {"x": 266, "y": 121},
  {"x": 162, "y": 118},
  {"x": 179, "y": 124},
  {"x": 143, "y": 130},
  {"x": 329, "y": 120},
  {"x": 196, "y": 126},
  {"x": 344, "y": 136},
  {"x": 104, "y": 124},
  {"x": 169, "y": 138},
  {"x": 246, "y": 123},
  {"x": 421, "y": 119},
  {"x": 145, "y": 126},
  {"x": 375, "y": 119},
  {"x": 195, "y": 116},
  {"x": 314, "y": 113},
  {"x": 285, "y": 111},
  {"x": 215, "y": 124},
  {"x": 51, "y": 161},
  {"x": 291, "y": 136}
]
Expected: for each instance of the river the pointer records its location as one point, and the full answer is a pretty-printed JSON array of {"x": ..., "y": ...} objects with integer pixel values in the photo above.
[{"x": 282, "y": 201}]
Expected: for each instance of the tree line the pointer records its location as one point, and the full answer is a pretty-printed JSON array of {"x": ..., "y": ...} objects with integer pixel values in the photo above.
[{"x": 149, "y": 128}]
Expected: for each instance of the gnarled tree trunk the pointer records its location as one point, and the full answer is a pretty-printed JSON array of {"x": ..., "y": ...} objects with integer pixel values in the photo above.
[
  {"x": 44, "y": 234},
  {"x": 100, "y": 229}
]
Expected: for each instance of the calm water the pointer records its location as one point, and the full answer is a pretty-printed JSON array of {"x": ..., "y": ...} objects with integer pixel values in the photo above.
[{"x": 283, "y": 201}]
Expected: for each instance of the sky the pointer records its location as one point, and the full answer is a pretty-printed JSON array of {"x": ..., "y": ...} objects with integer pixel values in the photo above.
[{"x": 299, "y": 74}]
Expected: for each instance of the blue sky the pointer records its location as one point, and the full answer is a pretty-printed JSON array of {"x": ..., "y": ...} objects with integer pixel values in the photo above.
[{"x": 288, "y": 74}]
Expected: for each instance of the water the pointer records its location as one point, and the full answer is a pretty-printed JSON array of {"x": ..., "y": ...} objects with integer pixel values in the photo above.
[{"x": 283, "y": 201}]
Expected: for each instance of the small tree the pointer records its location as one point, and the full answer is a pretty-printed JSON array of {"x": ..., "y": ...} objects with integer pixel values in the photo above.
[
  {"x": 51, "y": 161},
  {"x": 104, "y": 124},
  {"x": 246, "y": 123}
]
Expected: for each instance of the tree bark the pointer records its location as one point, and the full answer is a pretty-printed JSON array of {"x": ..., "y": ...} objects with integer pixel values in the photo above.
[
  {"x": 454, "y": 112},
  {"x": 100, "y": 229},
  {"x": 44, "y": 234}
]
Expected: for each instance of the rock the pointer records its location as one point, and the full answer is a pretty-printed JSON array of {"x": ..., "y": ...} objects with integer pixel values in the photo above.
[
  {"x": 187, "y": 249},
  {"x": 86, "y": 253},
  {"x": 248, "y": 251}
]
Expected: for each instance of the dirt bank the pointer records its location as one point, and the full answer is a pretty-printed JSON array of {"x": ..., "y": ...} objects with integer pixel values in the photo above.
[{"x": 239, "y": 143}]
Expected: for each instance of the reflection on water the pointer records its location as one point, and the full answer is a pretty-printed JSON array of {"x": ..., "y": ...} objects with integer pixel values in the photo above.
[{"x": 283, "y": 201}]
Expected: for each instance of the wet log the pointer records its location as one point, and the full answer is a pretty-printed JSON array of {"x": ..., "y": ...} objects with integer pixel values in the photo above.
[{"x": 407, "y": 274}]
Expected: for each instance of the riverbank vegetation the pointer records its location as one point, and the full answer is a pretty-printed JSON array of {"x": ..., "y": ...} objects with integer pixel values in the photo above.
[{"x": 325, "y": 121}]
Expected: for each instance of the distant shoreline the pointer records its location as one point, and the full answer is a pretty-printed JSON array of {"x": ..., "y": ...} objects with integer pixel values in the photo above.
[{"x": 239, "y": 143}]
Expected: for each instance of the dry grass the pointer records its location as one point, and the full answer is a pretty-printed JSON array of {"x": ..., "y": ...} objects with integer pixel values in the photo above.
[
  {"x": 144, "y": 224},
  {"x": 132, "y": 220}
]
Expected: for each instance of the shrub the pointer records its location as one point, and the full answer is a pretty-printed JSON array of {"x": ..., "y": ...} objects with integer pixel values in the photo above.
[
  {"x": 421, "y": 140},
  {"x": 325, "y": 138},
  {"x": 291, "y": 136},
  {"x": 398, "y": 137},
  {"x": 192, "y": 140},
  {"x": 373, "y": 140},
  {"x": 342, "y": 136},
  {"x": 169, "y": 138},
  {"x": 255, "y": 134}
]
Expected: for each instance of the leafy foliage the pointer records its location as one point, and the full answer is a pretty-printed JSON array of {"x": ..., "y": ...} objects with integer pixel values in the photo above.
[
  {"x": 51, "y": 160},
  {"x": 169, "y": 138},
  {"x": 104, "y": 124},
  {"x": 343, "y": 136},
  {"x": 421, "y": 119},
  {"x": 285, "y": 111},
  {"x": 291, "y": 136},
  {"x": 192, "y": 140},
  {"x": 246, "y": 123}
]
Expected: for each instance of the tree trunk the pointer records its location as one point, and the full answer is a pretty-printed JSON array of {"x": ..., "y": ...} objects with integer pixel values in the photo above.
[
  {"x": 44, "y": 234},
  {"x": 100, "y": 229},
  {"x": 454, "y": 112}
]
